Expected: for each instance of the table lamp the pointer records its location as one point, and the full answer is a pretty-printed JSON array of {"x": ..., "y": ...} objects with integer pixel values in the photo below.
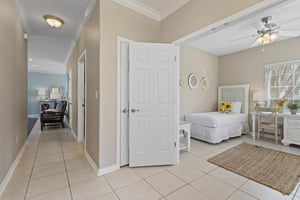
[
  {"x": 258, "y": 98},
  {"x": 41, "y": 93},
  {"x": 55, "y": 94}
]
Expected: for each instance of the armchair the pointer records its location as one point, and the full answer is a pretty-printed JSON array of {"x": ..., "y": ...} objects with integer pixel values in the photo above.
[{"x": 54, "y": 116}]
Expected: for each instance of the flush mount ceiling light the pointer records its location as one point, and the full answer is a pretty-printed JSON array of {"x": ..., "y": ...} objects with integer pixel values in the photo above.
[{"x": 54, "y": 21}]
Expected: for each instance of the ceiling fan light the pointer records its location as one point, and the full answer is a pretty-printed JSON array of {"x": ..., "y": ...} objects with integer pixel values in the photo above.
[
  {"x": 274, "y": 37},
  {"x": 267, "y": 38},
  {"x": 54, "y": 21}
]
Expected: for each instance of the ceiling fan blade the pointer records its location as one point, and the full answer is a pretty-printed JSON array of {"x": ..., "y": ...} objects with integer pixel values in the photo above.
[
  {"x": 289, "y": 33},
  {"x": 242, "y": 38},
  {"x": 288, "y": 21}
]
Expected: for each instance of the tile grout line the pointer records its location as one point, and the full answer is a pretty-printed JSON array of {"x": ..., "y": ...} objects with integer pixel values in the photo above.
[
  {"x": 110, "y": 187},
  {"x": 67, "y": 173},
  {"x": 144, "y": 179},
  {"x": 35, "y": 157},
  {"x": 296, "y": 192}
]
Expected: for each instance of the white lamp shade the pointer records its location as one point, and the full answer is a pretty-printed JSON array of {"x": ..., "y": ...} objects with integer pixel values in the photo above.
[
  {"x": 55, "y": 94},
  {"x": 41, "y": 92},
  {"x": 258, "y": 96}
]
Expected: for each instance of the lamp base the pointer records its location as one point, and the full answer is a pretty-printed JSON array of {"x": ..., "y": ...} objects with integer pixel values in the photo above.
[{"x": 260, "y": 104}]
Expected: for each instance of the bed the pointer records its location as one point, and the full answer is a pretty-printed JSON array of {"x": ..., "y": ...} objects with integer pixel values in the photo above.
[{"x": 214, "y": 127}]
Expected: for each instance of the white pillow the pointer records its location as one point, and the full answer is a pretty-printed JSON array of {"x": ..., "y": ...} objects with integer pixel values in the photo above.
[{"x": 236, "y": 107}]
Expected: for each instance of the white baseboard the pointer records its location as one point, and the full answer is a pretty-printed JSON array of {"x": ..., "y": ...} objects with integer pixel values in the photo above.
[
  {"x": 73, "y": 133},
  {"x": 92, "y": 163},
  {"x": 34, "y": 115},
  {"x": 108, "y": 169},
  {"x": 102, "y": 171},
  {"x": 12, "y": 168}
]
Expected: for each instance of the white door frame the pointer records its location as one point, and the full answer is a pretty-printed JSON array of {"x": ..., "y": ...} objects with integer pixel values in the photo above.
[
  {"x": 81, "y": 136},
  {"x": 119, "y": 41},
  {"x": 70, "y": 110}
]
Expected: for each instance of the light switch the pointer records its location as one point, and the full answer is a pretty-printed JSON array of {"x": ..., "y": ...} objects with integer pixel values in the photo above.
[{"x": 96, "y": 94}]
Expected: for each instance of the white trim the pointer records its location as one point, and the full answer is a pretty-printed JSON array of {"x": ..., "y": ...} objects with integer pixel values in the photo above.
[
  {"x": 81, "y": 137},
  {"x": 20, "y": 9},
  {"x": 140, "y": 8},
  {"x": 282, "y": 63},
  {"x": 108, "y": 169},
  {"x": 87, "y": 13},
  {"x": 178, "y": 102},
  {"x": 74, "y": 134},
  {"x": 150, "y": 12},
  {"x": 92, "y": 162},
  {"x": 231, "y": 20},
  {"x": 119, "y": 40},
  {"x": 12, "y": 169},
  {"x": 34, "y": 115},
  {"x": 98, "y": 171},
  {"x": 172, "y": 9}
]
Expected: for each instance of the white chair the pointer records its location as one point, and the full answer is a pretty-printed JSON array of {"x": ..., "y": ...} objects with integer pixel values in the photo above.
[{"x": 267, "y": 119}]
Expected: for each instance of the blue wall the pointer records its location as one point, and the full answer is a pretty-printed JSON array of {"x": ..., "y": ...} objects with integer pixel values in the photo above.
[{"x": 42, "y": 81}]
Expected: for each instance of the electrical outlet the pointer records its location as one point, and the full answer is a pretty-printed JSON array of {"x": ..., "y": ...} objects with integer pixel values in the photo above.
[{"x": 17, "y": 139}]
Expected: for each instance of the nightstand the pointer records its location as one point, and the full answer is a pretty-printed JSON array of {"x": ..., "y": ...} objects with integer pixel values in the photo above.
[{"x": 184, "y": 136}]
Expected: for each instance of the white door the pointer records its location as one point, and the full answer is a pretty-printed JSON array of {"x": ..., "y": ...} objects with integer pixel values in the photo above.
[
  {"x": 81, "y": 98},
  {"x": 153, "y": 118},
  {"x": 124, "y": 103}
]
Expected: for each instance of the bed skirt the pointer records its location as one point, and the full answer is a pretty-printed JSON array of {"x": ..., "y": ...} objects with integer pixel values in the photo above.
[{"x": 218, "y": 134}]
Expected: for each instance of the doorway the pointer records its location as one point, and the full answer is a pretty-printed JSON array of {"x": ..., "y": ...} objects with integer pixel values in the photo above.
[
  {"x": 69, "y": 96},
  {"x": 147, "y": 104},
  {"x": 81, "y": 106}
]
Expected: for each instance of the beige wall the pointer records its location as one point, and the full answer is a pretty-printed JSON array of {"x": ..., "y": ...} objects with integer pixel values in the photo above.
[
  {"x": 113, "y": 20},
  {"x": 116, "y": 20},
  {"x": 198, "y": 14},
  {"x": 13, "y": 86},
  {"x": 89, "y": 40},
  {"x": 72, "y": 66},
  {"x": 198, "y": 100},
  {"x": 248, "y": 66}
]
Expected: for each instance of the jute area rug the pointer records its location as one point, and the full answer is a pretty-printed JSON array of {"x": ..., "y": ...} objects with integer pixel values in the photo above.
[{"x": 278, "y": 170}]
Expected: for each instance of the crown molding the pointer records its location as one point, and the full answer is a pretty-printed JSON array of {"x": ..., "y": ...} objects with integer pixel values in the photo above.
[
  {"x": 173, "y": 8},
  {"x": 140, "y": 8},
  {"x": 20, "y": 8}
]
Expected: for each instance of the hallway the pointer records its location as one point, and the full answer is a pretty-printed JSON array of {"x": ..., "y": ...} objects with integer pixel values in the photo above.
[{"x": 53, "y": 167}]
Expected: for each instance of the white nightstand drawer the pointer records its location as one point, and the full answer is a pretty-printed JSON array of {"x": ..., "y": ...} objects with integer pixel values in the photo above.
[
  {"x": 294, "y": 133},
  {"x": 291, "y": 130},
  {"x": 293, "y": 122},
  {"x": 184, "y": 136}
]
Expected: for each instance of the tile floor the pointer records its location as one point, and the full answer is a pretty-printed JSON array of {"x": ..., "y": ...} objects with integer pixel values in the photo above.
[{"x": 53, "y": 167}]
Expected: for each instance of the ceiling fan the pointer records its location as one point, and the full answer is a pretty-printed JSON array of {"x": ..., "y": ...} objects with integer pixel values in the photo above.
[{"x": 269, "y": 33}]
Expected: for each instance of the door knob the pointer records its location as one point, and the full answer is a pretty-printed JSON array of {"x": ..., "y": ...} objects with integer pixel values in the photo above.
[
  {"x": 133, "y": 110},
  {"x": 125, "y": 110}
]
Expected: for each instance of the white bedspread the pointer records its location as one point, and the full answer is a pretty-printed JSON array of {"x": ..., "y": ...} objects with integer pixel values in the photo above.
[{"x": 215, "y": 119}]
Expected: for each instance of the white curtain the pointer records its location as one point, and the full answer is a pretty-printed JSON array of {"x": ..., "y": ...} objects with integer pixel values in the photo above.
[{"x": 282, "y": 81}]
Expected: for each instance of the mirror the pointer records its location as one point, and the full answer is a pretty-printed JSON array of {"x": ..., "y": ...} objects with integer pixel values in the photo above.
[
  {"x": 204, "y": 83},
  {"x": 193, "y": 81}
]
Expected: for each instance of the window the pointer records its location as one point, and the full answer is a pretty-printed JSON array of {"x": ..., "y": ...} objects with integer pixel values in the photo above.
[{"x": 282, "y": 81}]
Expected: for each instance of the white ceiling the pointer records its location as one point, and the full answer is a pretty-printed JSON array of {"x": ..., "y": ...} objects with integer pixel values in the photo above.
[
  {"x": 49, "y": 48},
  {"x": 155, "y": 9},
  {"x": 241, "y": 34}
]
